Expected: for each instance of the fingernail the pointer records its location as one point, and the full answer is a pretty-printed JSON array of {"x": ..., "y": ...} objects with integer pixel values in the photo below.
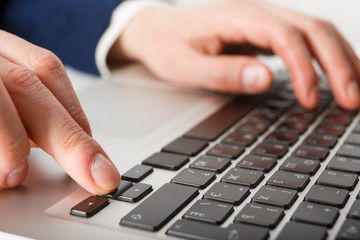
[
  {"x": 104, "y": 173},
  {"x": 353, "y": 92},
  {"x": 255, "y": 79},
  {"x": 16, "y": 176}
]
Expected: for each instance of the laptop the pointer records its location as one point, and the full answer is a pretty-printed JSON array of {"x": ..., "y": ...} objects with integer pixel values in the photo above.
[{"x": 199, "y": 165}]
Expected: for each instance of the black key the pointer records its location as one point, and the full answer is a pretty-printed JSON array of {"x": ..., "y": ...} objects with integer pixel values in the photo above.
[
  {"x": 290, "y": 126},
  {"x": 256, "y": 162},
  {"x": 215, "y": 125},
  {"x": 327, "y": 195},
  {"x": 228, "y": 193},
  {"x": 340, "y": 111},
  {"x": 322, "y": 140},
  {"x": 353, "y": 138},
  {"x": 275, "y": 196},
  {"x": 270, "y": 150},
  {"x": 135, "y": 193},
  {"x": 306, "y": 117},
  {"x": 333, "y": 129},
  {"x": 249, "y": 178},
  {"x": 137, "y": 173},
  {"x": 278, "y": 104},
  {"x": 348, "y": 150},
  {"x": 197, "y": 231},
  {"x": 168, "y": 161},
  {"x": 194, "y": 178},
  {"x": 124, "y": 185},
  {"x": 354, "y": 211},
  {"x": 89, "y": 207},
  {"x": 338, "y": 179},
  {"x": 317, "y": 111},
  {"x": 271, "y": 111},
  {"x": 209, "y": 212},
  {"x": 226, "y": 150},
  {"x": 261, "y": 215},
  {"x": 345, "y": 164},
  {"x": 338, "y": 119},
  {"x": 252, "y": 127},
  {"x": 156, "y": 210},
  {"x": 296, "y": 181},
  {"x": 240, "y": 138},
  {"x": 301, "y": 231},
  {"x": 312, "y": 152},
  {"x": 286, "y": 94},
  {"x": 301, "y": 165},
  {"x": 316, "y": 214},
  {"x": 266, "y": 117},
  {"x": 186, "y": 146},
  {"x": 350, "y": 230},
  {"x": 282, "y": 137},
  {"x": 211, "y": 163},
  {"x": 357, "y": 128}
]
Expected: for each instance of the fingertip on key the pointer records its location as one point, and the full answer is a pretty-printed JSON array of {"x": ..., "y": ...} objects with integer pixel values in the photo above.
[
  {"x": 17, "y": 175},
  {"x": 104, "y": 173},
  {"x": 353, "y": 93}
]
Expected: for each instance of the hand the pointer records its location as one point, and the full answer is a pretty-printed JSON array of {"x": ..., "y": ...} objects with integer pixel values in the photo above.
[
  {"x": 185, "y": 45},
  {"x": 37, "y": 102}
]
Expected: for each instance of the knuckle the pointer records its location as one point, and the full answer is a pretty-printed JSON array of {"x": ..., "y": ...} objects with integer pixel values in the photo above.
[
  {"x": 72, "y": 136},
  {"x": 288, "y": 30},
  {"x": 79, "y": 116},
  {"x": 321, "y": 25},
  {"x": 20, "y": 77},
  {"x": 288, "y": 34},
  {"x": 45, "y": 61}
]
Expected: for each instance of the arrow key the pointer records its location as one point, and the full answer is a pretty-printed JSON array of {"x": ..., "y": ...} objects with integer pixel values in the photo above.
[
  {"x": 135, "y": 193},
  {"x": 316, "y": 214},
  {"x": 89, "y": 207},
  {"x": 349, "y": 230}
]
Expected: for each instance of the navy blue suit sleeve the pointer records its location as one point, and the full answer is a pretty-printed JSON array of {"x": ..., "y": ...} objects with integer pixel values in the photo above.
[{"x": 69, "y": 28}]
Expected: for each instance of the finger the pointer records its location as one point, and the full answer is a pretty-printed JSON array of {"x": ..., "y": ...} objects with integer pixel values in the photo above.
[
  {"x": 49, "y": 69},
  {"x": 334, "y": 55},
  {"x": 234, "y": 74},
  {"x": 293, "y": 49},
  {"x": 14, "y": 144},
  {"x": 263, "y": 29},
  {"x": 51, "y": 127},
  {"x": 287, "y": 42}
]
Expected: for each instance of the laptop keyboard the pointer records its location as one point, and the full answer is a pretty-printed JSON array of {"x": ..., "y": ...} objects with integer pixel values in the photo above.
[{"x": 251, "y": 162}]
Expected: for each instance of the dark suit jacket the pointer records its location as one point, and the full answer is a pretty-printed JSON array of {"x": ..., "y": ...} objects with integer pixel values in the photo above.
[{"x": 69, "y": 28}]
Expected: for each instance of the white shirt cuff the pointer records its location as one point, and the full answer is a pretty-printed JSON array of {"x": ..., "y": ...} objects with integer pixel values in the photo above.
[{"x": 119, "y": 19}]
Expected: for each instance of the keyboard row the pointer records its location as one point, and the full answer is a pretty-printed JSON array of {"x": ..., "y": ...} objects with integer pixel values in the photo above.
[{"x": 266, "y": 208}]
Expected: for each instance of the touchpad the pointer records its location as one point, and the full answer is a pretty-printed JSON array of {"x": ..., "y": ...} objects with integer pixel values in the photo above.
[{"x": 134, "y": 111}]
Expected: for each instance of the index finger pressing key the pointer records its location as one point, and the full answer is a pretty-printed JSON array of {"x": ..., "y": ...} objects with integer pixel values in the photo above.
[{"x": 51, "y": 127}]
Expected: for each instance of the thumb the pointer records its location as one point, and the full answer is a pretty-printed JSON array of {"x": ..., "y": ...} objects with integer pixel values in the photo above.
[{"x": 234, "y": 74}]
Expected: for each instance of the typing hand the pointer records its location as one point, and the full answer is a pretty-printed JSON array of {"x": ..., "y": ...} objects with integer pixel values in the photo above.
[
  {"x": 185, "y": 45},
  {"x": 39, "y": 105}
]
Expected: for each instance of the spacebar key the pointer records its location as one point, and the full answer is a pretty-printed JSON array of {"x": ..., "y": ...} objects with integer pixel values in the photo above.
[
  {"x": 155, "y": 211},
  {"x": 202, "y": 231}
]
